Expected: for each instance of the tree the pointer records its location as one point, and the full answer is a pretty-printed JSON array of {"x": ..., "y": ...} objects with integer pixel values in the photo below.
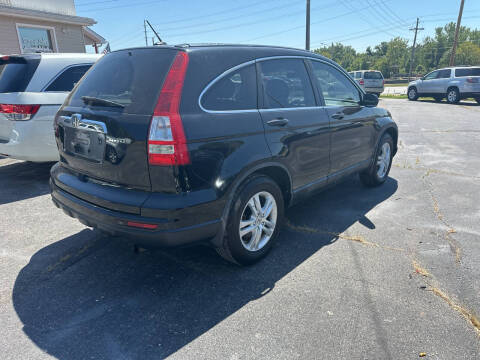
[{"x": 468, "y": 53}]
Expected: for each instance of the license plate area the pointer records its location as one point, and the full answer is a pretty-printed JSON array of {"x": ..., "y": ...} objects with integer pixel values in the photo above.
[{"x": 84, "y": 143}]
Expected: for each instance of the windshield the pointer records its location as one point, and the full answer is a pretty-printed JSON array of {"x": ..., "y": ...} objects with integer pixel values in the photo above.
[
  {"x": 128, "y": 79},
  {"x": 373, "y": 75}
]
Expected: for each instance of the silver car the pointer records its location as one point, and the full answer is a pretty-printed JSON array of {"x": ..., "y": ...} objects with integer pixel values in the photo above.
[
  {"x": 452, "y": 83},
  {"x": 32, "y": 89},
  {"x": 370, "y": 80}
]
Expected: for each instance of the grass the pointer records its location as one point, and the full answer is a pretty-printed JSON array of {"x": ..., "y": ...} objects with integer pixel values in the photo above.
[
  {"x": 396, "y": 84},
  {"x": 390, "y": 96}
]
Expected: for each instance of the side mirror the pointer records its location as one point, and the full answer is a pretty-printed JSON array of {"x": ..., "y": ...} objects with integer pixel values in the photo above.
[{"x": 370, "y": 100}]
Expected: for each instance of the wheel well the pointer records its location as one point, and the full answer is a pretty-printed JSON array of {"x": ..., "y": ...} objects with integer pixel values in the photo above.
[
  {"x": 453, "y": 87},
  {"x": 281, "y": 177},
  {"x": 394, "y": 134}
]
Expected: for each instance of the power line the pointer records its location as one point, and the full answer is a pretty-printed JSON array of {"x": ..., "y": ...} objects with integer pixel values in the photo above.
[{"x": 301, "y": 26}]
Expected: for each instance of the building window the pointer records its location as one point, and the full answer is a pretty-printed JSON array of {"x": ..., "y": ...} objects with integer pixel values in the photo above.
[{"x": 36, "y": 39}]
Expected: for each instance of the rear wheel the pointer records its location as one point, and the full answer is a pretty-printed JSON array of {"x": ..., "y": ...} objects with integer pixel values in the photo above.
[
  {"x": 453, "y": 95},
  {"x": 254, "y": 221},
  {"x": 412, "y": 94},
  {"x": 438, "y": 98},
  {"x": 378, "y": 171}
]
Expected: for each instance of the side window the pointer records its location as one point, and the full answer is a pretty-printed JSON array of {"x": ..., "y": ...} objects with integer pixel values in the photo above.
[
  {"x": 444, "y": 74},
  {"x": 235, "y": 91},
  {"x": 432, "y": 75},
  {"x": 67, "y": 79},
  {"x": 286, "y": 84},
  {"x": 337, "y": 90},
  {"x": 358, "y": 75}
]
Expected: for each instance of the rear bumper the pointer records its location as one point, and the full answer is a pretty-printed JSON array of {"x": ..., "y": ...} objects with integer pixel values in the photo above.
[
  {"x": 30, "y": 140},
  {"x": 374, "y": 89},
  {"x": 179, "y": 218},
  {"x": 114, "y": 222},
  {"x": 470, "y": 94}
]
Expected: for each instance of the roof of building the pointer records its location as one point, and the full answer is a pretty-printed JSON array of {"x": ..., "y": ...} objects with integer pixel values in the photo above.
[
  {"x": 6, "y": 10},
  {"x": 93, "y": 36}
]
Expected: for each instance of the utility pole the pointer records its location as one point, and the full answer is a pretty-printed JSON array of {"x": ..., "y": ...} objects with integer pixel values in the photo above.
[
  {"x": 145, "y": 28},
  {"x": 416, "y": 28},
  {"x": 455, "y": 41},
  {"x": 307, "y": 27}
]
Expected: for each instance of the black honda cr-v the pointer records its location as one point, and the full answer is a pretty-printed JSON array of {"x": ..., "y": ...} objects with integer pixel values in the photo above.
[{"x": 172, "y": 145}]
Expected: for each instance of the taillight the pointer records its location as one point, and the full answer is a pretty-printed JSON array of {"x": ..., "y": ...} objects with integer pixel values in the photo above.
[
  {"x": 18, "y": 112},
  {"x": 167, "y": 144},
  {"x": 142, "y": 225},
  {"x": 361, "y": 82},
  {"x": 473, "y": 80},
  {"x": 383, "y": 82}
]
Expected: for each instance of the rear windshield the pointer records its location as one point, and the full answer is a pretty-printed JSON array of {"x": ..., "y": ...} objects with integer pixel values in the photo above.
[
  {"x": 16, "y": 73},
  {"x": 467, "y": 72},
  {"x": 132, "y": 79},
  {"x": 373, "y": 75}
]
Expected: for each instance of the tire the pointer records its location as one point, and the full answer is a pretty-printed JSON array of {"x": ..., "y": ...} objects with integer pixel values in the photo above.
[
  {"x": 249, "y": 248},
  {"x": 438, "y": 98},
  {"x": 453, "y": 95},
  {"x": 373, "y": 176},
  {"x": 412, "y": 94}
]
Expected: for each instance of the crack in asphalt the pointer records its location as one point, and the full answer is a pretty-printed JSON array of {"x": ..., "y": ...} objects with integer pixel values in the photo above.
[{"x": 355, "y": 238}]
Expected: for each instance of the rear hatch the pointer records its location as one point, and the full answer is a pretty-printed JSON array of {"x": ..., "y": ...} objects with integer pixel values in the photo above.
[
  {"x": 472, "y": 78},
  {"x": 373, "y": 79},
  {"x": 15, "y": 75},
  {"x": 103, "y": 126}
]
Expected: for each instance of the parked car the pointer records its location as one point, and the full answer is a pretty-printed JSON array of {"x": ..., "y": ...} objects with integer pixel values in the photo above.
[
  {"x": 32, "y": 89},
  {"x": 172, "y": 145},
  {"x": 370, "y": 80},
  {"x": 453, "y": 83}
]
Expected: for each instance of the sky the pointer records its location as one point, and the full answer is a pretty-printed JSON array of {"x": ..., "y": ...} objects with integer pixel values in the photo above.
[{"x": 359, "y": 23}]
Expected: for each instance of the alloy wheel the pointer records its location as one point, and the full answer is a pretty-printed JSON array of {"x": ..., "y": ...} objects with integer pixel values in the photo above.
[
  {"x": 258, "y": 221},
  {"x": 452, "y": 96},
  {"x": 383, "y": 160}
]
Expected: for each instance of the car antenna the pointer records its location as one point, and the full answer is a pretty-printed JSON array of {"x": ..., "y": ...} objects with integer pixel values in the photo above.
[{"x": 160, "y": 41}]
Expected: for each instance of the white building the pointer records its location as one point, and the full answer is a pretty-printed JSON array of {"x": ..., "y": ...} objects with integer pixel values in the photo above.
[{"x": 28, "y": 26}]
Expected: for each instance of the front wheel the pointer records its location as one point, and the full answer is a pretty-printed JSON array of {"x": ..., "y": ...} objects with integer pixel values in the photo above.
[
  {"x": 412, "y": 94},
  {"x": 453, "y": 96},
  {"x": 254, "y": 221},
  {"x": 378, "y": 171}
]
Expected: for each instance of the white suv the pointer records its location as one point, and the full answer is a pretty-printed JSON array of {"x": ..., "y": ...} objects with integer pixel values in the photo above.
[
  {"x": 32, "y": 89},
  {"x": 453, "y": 83}
]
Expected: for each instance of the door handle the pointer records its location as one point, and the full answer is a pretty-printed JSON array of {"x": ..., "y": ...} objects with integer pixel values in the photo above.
[
  {"x": 278, "y": 122},
  {"x": 337, "y": 116}
]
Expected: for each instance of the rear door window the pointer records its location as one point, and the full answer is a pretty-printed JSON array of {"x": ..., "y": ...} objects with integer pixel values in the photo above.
[
  {"x": 358, "y": 75},
  {"x": 131, "y": 79},
  {"x": 376, "y": 75},
  {"x": 68, "y": 78},
  {"x": 16, "y": 73},
  {"x": 467, "y": 72},
  {"x": 286, "y": 84},
  {"x": 444, "y": 74},
  {"x": 336, "y": 88},
  {"x": 235, "y": 91}
]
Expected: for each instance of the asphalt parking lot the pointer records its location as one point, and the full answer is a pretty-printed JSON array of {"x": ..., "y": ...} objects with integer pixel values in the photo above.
[{"x": 384, "y": 273}]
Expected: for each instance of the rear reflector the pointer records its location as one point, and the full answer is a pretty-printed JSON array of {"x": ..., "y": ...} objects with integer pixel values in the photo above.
[
  {"x": 167, "y": 144},
  {"x": 142, "y": 225},
  {"x": 18, "y": 112}
]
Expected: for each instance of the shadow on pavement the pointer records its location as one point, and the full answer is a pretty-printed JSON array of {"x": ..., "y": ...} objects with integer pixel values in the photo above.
[
  {"x": 90, "y": 296},
  {"x": 23, "y": 180},
  {"x": 444, "y": 102}
]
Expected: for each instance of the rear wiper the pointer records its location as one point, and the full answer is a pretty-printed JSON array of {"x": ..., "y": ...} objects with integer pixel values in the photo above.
[{"x": 101, "y": 102}]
